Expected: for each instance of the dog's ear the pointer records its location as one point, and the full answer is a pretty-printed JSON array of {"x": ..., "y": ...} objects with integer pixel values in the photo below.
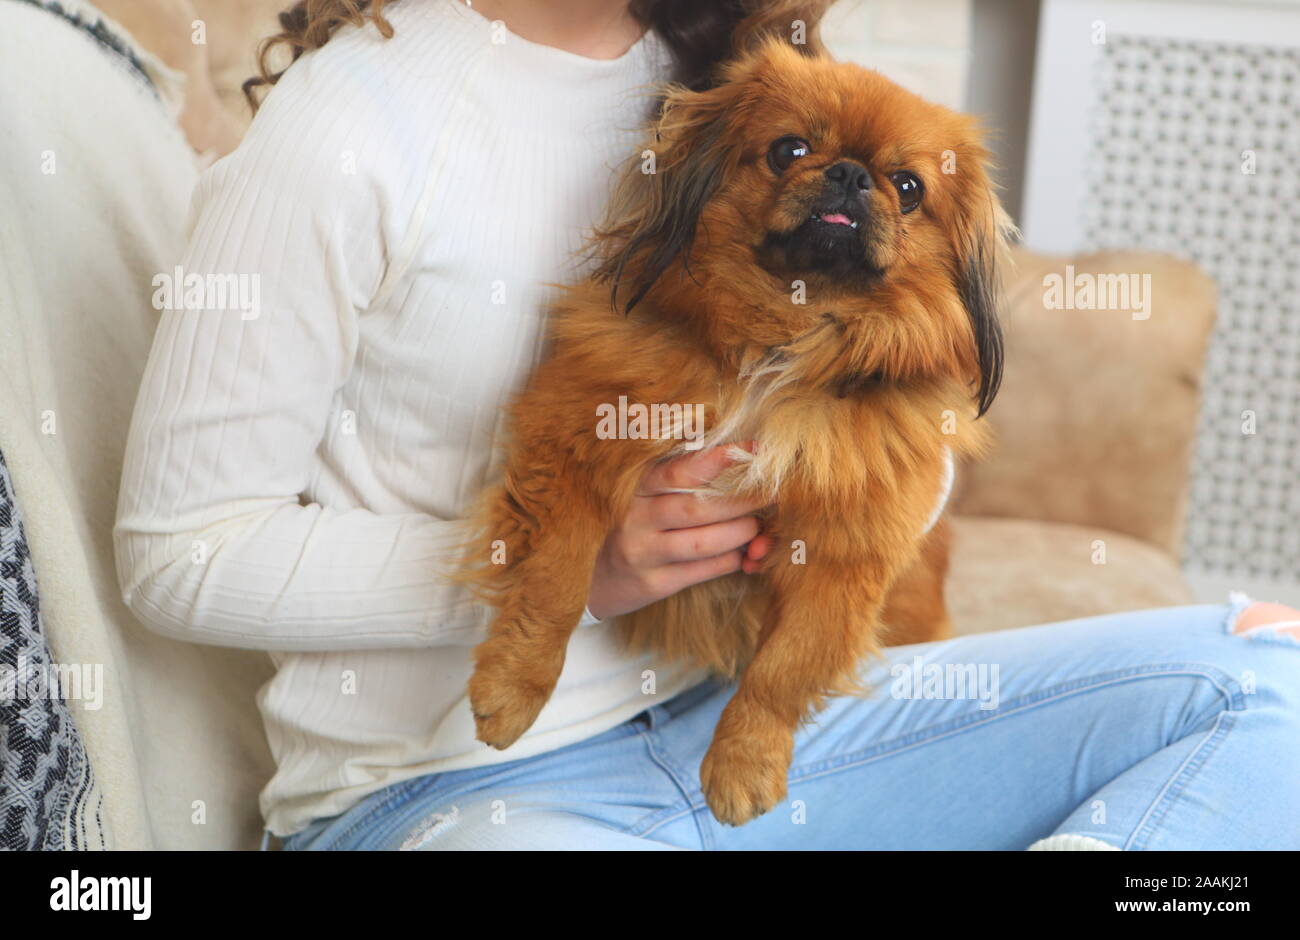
[
  {"x": 985, "y": 233},
  {"x": 655, "y": 209}
]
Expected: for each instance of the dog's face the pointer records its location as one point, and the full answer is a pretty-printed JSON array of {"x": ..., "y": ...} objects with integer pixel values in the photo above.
[
  {"x": 853, "y": 187},
  {"x": 801, "y": 174}
]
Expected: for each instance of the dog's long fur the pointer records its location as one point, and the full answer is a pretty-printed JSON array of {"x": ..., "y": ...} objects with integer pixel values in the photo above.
[{"x": 853, "y": 397}]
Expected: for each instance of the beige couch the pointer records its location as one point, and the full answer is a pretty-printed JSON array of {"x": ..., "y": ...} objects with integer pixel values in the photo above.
[
  {"x": 1078, "y": 511},
  {"x": 1095, "y": 425}
]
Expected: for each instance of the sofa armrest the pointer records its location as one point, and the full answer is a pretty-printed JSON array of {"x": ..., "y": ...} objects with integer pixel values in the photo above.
[
  {"x": 1098, "y": 410},
  {"x": 235, "y": 30}
]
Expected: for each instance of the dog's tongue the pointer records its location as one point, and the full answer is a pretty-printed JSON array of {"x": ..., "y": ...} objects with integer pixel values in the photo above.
[{"x": 836, "y": 218}]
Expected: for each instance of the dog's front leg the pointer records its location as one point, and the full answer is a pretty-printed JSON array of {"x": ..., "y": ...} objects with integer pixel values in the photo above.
[
  {"x": 822, "y": 623},
  {"x": 551, "y": 533}
]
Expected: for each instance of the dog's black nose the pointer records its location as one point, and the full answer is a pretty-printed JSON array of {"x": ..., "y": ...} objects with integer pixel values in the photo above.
[{"x": 851, "y": 177}]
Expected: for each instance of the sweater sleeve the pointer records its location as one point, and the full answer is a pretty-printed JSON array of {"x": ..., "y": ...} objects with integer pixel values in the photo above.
[{"x": 258, "y": 332}]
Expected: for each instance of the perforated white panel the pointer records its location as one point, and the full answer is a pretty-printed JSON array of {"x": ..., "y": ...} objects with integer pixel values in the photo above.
[{"x": 1195, "y": 150}]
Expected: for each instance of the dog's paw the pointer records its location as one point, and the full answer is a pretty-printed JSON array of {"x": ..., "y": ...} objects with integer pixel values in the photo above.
[
  {"x": 504, "y": 707},
  {"x": 743, "y": 777},
  {"x": 506, "y": 699}
]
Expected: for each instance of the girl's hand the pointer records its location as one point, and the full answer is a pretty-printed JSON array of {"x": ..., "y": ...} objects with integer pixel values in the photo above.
[{"x": 671, "y": 540}]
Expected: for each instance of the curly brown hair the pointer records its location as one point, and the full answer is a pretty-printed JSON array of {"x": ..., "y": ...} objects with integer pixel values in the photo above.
[{"x": 701, "y": 33}]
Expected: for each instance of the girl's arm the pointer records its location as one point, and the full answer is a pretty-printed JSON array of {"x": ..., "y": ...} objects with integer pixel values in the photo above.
[{"x": 213, "y": 544}]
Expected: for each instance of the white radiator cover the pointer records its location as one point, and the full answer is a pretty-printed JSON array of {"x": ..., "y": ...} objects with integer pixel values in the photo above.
[{"x": 1175, "y": 126}]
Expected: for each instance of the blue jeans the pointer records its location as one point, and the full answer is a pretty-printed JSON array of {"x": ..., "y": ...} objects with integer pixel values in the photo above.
[{"x": 1162, "y": 729}]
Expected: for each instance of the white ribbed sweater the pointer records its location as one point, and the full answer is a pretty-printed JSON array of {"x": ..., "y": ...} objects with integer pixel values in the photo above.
[{"x": 292, "y": 478}]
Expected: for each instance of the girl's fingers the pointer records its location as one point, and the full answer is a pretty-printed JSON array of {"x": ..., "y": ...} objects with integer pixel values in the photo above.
[
  {"x": 755, "y": 552},
  {"x": 684, "y": 574},
  {"x": 686, "y": 510},
  {"x": 706, "y": 541},
  {"x": 688, "y": 472}
]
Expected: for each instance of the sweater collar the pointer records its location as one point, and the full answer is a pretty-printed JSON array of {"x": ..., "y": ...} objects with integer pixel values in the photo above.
[{"x": 646, "y": 63}]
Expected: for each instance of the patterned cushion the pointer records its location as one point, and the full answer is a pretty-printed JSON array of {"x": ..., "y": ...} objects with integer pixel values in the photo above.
[{"x": 44, "y": 773}]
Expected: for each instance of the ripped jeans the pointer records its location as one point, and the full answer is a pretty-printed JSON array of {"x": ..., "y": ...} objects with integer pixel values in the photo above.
[{"x": 1163, "y": 729}]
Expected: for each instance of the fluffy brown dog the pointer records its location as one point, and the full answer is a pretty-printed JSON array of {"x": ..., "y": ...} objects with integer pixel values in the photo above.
[{"x": 812, "y": 262}]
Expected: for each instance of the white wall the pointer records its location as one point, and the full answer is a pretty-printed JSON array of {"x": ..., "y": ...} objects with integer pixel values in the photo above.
[
  {"x": 1000, "y": 82},
  {"x": 921, "y": 44}
]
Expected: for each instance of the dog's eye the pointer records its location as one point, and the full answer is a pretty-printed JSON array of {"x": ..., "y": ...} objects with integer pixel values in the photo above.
[
  {"x": 786, "y": 150},
  {"x": 909, "y": 189}
]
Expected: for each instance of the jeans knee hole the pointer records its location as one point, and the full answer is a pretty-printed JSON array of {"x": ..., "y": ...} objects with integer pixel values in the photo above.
[
  {"x": 1262, "y": 620},
  {"x": 429, "y": 828}
]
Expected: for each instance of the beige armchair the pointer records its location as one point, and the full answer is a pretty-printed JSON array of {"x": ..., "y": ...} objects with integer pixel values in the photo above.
[{"x": 1078, "y": 510}]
